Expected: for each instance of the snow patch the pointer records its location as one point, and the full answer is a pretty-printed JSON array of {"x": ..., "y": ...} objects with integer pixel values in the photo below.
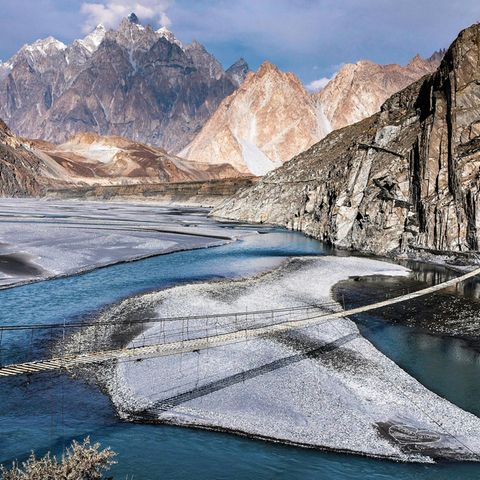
[
  {"x": 257, "y": 162},
  {"x": 323, "y": 123},
  {"x": 93, "y": 40},
  {"x": 165, "y": 33},
  {"x": 45, "y": 46},
  {"x": 97, "y": 151}
]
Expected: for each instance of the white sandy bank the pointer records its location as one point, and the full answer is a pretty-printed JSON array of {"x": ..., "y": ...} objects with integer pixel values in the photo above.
[
  {"x": 42, "y": 239},
  {"x": 323, "y": 386}
]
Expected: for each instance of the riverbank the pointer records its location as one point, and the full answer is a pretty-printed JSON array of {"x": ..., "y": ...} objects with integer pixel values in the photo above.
[
  {"x": 208, "y": 193},
  {"x": 49, "y": 410},
  {"x": 269, "y": 388},
  {"x": 43, "y": 239},
  {"x": 453, "y": 311}
]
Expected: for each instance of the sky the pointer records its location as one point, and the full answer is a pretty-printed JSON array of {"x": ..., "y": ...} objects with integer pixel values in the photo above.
[{"x": 312, "y": 38}]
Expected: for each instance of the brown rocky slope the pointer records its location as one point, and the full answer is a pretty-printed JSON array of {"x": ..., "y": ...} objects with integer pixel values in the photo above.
[
  {"x": 35, "y": 167},
  {"x": 404, "y": 179},
  {"x": 109, "y": 160}
]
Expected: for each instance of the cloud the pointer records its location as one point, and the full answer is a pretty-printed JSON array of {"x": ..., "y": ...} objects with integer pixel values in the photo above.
[
  {"x": 111, "y": 12},
  {"x": 317, "y": 85},
  {"x": 296, "y": 34}
]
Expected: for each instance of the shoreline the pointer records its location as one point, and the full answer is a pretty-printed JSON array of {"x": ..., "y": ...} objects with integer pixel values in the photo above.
[
  {"x": 59, "y": 239},
  {"x": 433, "y": 257},
  {"x": 107, "y": 382},
  {"x": 113, "y": 263}
]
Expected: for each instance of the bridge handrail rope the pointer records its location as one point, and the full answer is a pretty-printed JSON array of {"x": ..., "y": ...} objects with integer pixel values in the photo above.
[
  {"x": 196, "y": 344},
  {"x": 41, "y": 326}
]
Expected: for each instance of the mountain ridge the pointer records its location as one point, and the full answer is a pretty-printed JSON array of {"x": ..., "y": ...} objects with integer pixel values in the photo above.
[
  {"x": 133, "y": 82},
  {"x": 258, "y": 128},
  {"x": 402, "y": 181},
  {"x": 268, "y": 119}
]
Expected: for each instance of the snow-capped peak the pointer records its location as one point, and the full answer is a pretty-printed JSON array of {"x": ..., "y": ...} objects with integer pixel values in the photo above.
[
  {"x": 165, "y": 33},
  {"x": 45, "y": 46},
  {"x": 92, "y": 41}
]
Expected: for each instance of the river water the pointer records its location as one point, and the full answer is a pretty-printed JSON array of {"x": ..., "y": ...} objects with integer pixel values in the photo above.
[{"x": 45, "y": 412}]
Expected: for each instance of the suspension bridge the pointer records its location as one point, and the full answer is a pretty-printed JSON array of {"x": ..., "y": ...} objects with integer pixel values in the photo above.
[{"x": 195, "y": 333}]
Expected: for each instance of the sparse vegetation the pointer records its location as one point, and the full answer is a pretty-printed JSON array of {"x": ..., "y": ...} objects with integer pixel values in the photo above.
[{"x": 82, "y": 461}]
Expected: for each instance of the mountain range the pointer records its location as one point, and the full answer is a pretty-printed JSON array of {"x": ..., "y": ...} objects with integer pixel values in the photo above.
[
  {"x": 146, "y": 86},
  {"x": 271, "y": 118},
  {"x": 133, "y": 82},
  {"x": 134, "y": 105}
]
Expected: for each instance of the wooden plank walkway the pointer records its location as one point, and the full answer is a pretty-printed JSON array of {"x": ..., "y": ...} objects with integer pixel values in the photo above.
[{"x": 185, "y": 346}]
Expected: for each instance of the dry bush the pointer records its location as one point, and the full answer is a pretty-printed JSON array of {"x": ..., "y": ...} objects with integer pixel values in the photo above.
[{"x": 82, "y": 461}]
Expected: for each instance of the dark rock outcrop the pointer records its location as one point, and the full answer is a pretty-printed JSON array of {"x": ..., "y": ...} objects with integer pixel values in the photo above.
[
  {"x": 238, "y": 71},
  {"x": 404, "y": 179},
  {"x": 18, "y": 167}
]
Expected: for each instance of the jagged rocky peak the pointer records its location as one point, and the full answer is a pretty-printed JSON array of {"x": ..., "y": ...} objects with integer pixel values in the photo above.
[
  {"x": 41, "y": 52},
  {"x": 131, "y": 34},
  {"x": 46, "y": 46},
  {"x": 165, "y": 33},
  {"x": 265, "y": 122},
  {"x": 420, "y": 63},
  {"x": 417, "y": 59},
  {"x": 359, "y": 89},
  {"x": 133, "y": 18},
  {"x": 46, "y": 55},
  {"x": 267, "y": 68},
  {"x": 438, "y": 55},
  {"x": 238, "y": 71},
  {"x": 130, "y": 24},
  {"x": 204, "y": 60},
  {"x": 404, "y": 181}
]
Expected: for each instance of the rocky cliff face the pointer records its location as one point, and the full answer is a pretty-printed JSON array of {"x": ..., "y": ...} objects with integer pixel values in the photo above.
[
  {"x": 405, "y": 178},
  {"x": 238, "y": 71},
  {"x": 133, "y": 82},
  {"x": 359, "y": 89},
  {"x": 265, "y": 122},
  {"x": 271, "y": 117},
  {"x": 20, "y": 168}
]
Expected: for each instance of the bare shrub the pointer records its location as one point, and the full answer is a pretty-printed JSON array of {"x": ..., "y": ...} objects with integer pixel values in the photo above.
[{"x": 82, "y": 461}]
